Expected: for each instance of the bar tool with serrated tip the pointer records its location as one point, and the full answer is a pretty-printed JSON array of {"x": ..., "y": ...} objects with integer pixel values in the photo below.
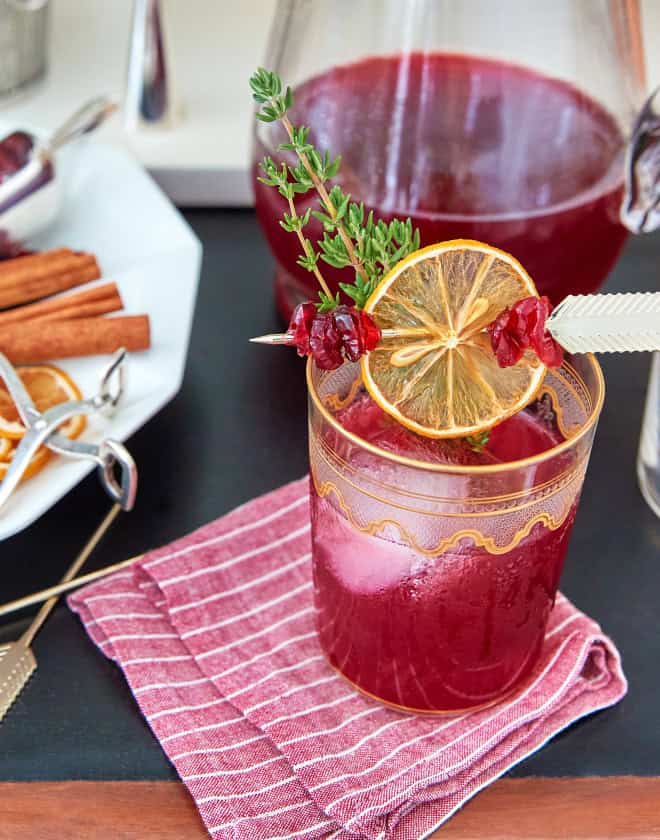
[{"x": 17, "y": 660}]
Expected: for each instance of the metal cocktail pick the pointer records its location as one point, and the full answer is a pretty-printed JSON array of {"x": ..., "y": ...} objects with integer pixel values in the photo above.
[
  {"x": 615, "y": 323},
  {"x": 17, "y": 661}
]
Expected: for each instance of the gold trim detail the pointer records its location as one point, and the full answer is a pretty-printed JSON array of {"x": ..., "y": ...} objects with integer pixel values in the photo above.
[
  {"x": 374, "y": 528},
  {"x": 341, "y": 467},
  {"x": 336, "y": 403},
  {"x": 585, "y": 398},
  {"x": 333, "y": 402},
  {"x": 549, "y": 391},
  {"x": 554, "y": 486},
  {"x": 465, "y": 470}
]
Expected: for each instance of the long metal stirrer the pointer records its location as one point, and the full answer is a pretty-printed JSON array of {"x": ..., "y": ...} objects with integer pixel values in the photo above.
[
  {"x": 72, "y": 571},
  {"x": 17, "y": 661},
  {"x": 65, "y": 586}
]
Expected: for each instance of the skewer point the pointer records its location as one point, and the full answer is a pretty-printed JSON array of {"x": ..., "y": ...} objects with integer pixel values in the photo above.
[{"x": 273, "y": 338}]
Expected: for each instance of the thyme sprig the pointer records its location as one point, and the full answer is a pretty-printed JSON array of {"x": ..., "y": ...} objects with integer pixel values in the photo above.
[
  {"x": 477, "y": 443},
  {"x": 370, "y": 246}
]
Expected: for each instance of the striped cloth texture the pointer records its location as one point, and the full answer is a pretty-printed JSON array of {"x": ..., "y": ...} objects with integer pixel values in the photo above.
[{"x": 215, "y": 636}]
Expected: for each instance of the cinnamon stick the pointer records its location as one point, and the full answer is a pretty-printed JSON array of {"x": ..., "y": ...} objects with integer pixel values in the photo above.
[
  {"x": 31, "y": 260},
  {"x": 25, "y": 279},
  {"x": 34, "y": 341},
  {"x": 99, "y": 300}
]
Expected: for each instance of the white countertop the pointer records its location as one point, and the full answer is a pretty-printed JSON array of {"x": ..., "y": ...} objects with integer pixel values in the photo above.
[{"x": 214, "y": 47}]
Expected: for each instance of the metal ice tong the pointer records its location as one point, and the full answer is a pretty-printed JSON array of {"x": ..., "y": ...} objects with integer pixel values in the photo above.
[{"x": 116, "y": 468}]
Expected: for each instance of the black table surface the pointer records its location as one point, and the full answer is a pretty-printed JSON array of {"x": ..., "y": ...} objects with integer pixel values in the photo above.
[{"x": 237, "y": 429}]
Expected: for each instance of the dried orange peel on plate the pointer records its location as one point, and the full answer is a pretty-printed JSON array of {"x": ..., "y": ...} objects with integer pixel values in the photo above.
[
  {"x": 48, "y": 386},
  {"x": 37, "y": 462},
  {"x": 434, "y": 369},
  {"x": 6, "y": 449}
]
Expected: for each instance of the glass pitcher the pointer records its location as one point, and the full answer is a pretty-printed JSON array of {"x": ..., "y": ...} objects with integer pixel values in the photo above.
[{"x": 506, "y": 122}]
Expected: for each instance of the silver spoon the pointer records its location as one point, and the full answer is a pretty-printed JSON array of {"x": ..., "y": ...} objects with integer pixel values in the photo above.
[{"x": 30, "y": 195}]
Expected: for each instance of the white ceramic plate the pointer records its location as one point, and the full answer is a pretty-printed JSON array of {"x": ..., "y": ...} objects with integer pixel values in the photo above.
[{"x": 112, "y": 208}]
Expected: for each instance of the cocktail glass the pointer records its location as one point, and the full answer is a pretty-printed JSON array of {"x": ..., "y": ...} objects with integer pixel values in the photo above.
[
  {"x": 434, "y": 581},
  {"x": 504, "y": 122}
]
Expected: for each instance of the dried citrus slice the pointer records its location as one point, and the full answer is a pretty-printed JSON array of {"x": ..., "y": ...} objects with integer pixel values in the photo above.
[
  {"x": 48, "y": 386},
  {"x": 6, "y": 449},
  {"x": 37, "y": 462},
  {"x": 434, "y": 370}
]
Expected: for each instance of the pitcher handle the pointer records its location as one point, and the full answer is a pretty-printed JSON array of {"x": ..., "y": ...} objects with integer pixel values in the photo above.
[{"x": 640, "y": 209}]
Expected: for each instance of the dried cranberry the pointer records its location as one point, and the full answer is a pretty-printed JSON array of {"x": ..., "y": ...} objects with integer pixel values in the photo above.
[
  {"x": 369, "y": 331},
  {"x": 522, "y": 326},
  {"x": 300, "y": 326},
  {"x": 505, "y": 338},
  {"x": 549, "y": 352},
  {"x": 325, "y": 342},
  {"x": 331, "y": 337},
  {"x": 14, "y": 153},
  {"x": 547, "y": 349},
  {"x": 359, "y": 332},
  {"x": 19, "y": 145},
  {"x": 347, "y": 323}
]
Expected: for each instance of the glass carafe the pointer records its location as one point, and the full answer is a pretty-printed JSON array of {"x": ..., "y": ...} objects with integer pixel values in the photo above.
[{"x": 506, "y": 122}]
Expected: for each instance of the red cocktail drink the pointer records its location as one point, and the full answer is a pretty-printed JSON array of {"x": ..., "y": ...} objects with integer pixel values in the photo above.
[
  {"x": 436, "y": 567},
  {"x": 467, "y": 147}
]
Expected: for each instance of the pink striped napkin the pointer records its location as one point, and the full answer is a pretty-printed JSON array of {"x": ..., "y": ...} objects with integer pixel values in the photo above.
[{"x": 215, "y": 634}]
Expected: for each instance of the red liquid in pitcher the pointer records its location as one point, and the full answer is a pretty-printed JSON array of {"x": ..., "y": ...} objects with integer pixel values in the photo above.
[
  {"x": 434, "y": 633},
  {"x": 468, "y": 148}
]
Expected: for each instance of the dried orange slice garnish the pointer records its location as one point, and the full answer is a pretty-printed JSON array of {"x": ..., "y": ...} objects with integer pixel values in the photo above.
[
  {"x": 434, "y": 369},
  {"x": 48, "y": 386},
  {"x": 6, "y": 449}
]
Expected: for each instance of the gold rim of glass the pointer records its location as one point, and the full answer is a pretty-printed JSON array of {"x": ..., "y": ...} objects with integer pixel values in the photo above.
[{"x": 569, "y": 443}]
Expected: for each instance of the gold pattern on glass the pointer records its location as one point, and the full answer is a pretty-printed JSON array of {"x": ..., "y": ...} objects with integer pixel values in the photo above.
[
  {"x": 374, "y": 528},
  {"x": 551, "y": 393},
  {"x": 486, "y": 507},
  {"x": 320, "y": 383},
  {"x": 341, "y": 467},
  {"x": 336, "y": 403}
]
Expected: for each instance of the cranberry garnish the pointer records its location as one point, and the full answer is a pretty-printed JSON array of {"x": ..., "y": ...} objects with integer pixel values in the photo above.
[
  {"x": 325, "y": 342},
  {"x": 547, "y": 349},
  {"x": 509, "y": 333},
  {"x": 369, "y": 330},
  {"x": 522, "y": 326},
  {"x": 347, "y": 323},
  {"x": 332, "y": 337},
  {"x": 14, "y": 152},
  {"x": 300, "y": 326}
]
